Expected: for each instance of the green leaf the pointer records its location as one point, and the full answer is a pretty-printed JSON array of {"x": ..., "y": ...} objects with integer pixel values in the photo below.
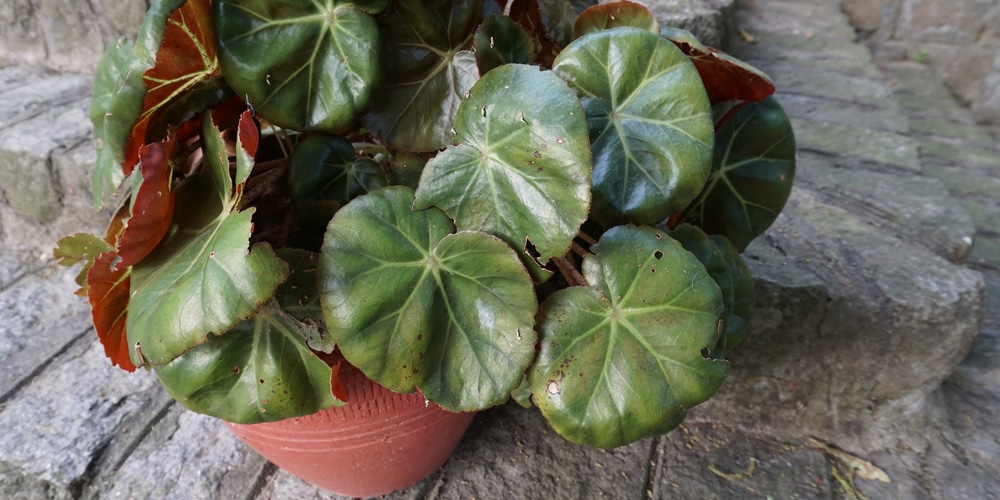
[
  {"x": 116, "y": 104},
  {"x": 649, "y": 119},
  {"x": 429, "y": 68},
  {"x": 299, "y": 296},
  {"x": 744, "y": 296},
  {"x": 325, "y": 168},
  {"x": 752, "y": 174},
  {"x": 118, "y": 95},
  {"x": 413, "y": 305},
  {"x": 201, "y": 279},
  {"x": 615, "y": 14},
  {"x": 305, "y": 65},
  {"x": 559, "y": 16},
  {"x": 501, "y": 41},
  {"x": 80, "y": 247},
  {"x": 694, "y": 240},
  {"x": 260, "y": 371},
  {"x": 521, "y": 170},
  {"x": 625, "y": 358}
]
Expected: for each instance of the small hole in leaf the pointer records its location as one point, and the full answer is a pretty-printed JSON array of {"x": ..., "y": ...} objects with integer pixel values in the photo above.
[{"x": 658, "y": 255}]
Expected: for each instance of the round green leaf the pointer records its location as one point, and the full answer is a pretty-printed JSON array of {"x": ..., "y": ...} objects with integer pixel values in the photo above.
[
  {"x": 305, "y": 65},
  {"x": 413, "y": 305},
  {"x": 650, "y": 123},
  {"x": 752, "y": 174},
  {"x": 624, "y": 358},
  {"x": 521, "y": 170},
  {"x": 429, "y": 68},
  {"x": 707, "y": 252},
  {"x": 325, "y": 168},
  {"x": 501, "y": 41},
  {"x": 260, "y": 371},
  {"x": 744, "y": 296}
]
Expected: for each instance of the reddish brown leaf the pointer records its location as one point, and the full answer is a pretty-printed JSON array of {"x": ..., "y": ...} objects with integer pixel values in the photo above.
[
  {"x": 726, "y": 78},
  {"x": 610, "y": 15},
  {"x": 337, "y": 385},
  {"x": 108, "y": 293},
  {"x": 249, "y": 133},
  {"x": 186, "y": 57},
  {"x": 152, "y": 204}
]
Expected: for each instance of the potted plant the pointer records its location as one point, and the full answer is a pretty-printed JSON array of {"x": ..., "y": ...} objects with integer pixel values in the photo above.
[{"x": 462, "y": 200}]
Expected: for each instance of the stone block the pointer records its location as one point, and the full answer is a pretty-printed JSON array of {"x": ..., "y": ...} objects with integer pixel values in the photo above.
[
  {"x": 710, "y": 20},
  {"x": 858, "y": 147},
  {"x": 64, "y": 418},
  {"x": 189, "y": 455},
  {"x": 866, "y": 15},
  {"x": 854, "y": 330},
  {"x": 46, "y": 152},
  {"x": 943, "y": 21},
  {"x": 21, "y": 41},
  {"x": 963, "y": 68},
  {"x": 75, "y": 36},
  {"x": 64, "y": 35}
]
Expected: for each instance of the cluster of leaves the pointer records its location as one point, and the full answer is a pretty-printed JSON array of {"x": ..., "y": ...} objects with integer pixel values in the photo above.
[{"x": 545, "y": 200}]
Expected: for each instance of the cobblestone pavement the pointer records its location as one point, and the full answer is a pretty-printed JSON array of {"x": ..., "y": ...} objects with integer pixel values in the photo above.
[{"x": 78, "y": 428}]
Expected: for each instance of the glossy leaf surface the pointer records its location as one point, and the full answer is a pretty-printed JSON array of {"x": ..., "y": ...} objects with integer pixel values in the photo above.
[
  {"x": 185, "y": 59},
  {"x": 501, "y": 41},
  {"x": 726, "y": 78},
  {"x": 752, "y": 174},
  {"x": 203, "y": 278},
  {"x": 115, "y": 105},
  {"x": 325, "y": 168},
  {"x": 302, "y": 64},
  {"x": 521, "y": 169},
  {"x": 625, "y": 357},
  {"x": 413, "y": 305},
  {"x": 108, "y": 294},
  {"x": 429, "y": 68},
  {"x": 152, "y": 204},
  {"x": 744, "y": 296},
  {"x": 260, "y": 371},
  {"x": 615, "y": 14},
  {"x": 650, "y": 123}
]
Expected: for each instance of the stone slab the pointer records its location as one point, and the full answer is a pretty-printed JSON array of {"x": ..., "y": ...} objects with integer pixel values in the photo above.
[
  {"x": 915, "y": 208},
  {"x": 884, "y": 118},
  {"x": 709, "y": 20},
  {"x": 855, "y": 328},
  {"x": 64, "y": 419},
  {"x": 855, "y": 147},
  {"x": 41, "y": 318}
]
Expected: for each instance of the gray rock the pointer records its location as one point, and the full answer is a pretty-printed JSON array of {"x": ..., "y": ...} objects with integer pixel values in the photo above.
[
  {"x": 45, "y": 155},
  {"x": 64, "y": 418},
  {"x": 855, "y": 328},
  {"x": 190, "y": 453},
  {"x": 709, "y": 20},
  {"x": 41, "y": 318}
]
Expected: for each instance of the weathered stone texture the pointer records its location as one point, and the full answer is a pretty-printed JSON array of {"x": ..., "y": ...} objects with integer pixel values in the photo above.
[
  {"x": 958, "y": 39},
  {"x": 46, "y": 151},
  {"x": 710, "y": 20},
  {"x": 64, "y": 35}
]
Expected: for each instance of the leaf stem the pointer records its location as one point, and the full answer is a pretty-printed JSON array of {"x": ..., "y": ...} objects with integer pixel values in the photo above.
[{"x": 569, "y": 272}]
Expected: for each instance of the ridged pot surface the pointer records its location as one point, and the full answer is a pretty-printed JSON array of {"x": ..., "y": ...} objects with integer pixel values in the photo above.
[{"x": 377, "y": 443}]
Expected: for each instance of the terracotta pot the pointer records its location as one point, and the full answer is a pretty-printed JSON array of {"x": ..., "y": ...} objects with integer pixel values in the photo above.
[{"x": 379, "y": 442}]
